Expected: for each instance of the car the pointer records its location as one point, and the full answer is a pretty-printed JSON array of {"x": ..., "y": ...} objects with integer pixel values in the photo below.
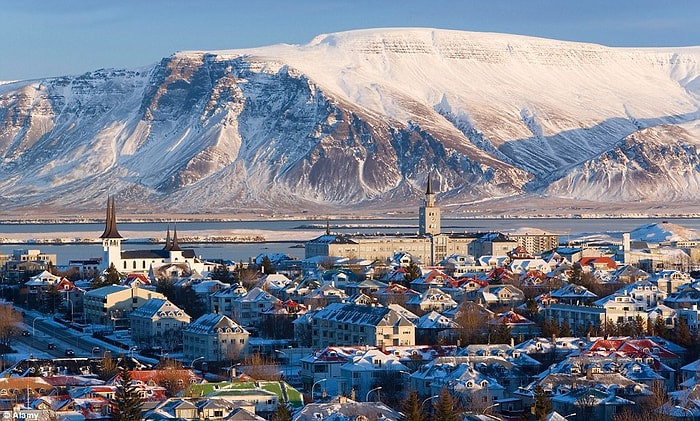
[
  {"x": 51, "y": 345},
  {"x": 26, "y": 333},
  {"x": 69, "y": 352}
]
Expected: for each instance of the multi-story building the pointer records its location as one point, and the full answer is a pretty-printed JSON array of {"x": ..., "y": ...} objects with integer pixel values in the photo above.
[
  {"x": 325, "y": 364},
  {"x": 428, "y": 246},
  {"x": 215, "y": 337},
  {"x": 361, "y": 374},
  {"x": 111, "y": 305},
  {"x": 248, "y": 309},
  {"x": 536, "y": 243},
  {"x": 351, "y": 324},
  {"x": 158, "y": 322}
]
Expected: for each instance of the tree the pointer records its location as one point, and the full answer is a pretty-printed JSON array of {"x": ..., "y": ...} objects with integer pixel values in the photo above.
[
  {"x": 221, "y": 273},
  {"x": 113, "y": 276},
  {"x": 576, "y": 274},
  {"x": 266, "y": 266},
  {"x": 543, "y": 403},
  {"x": 445, "y": 407},
  {"x": 127, "y": 402},
  {"x": 413, "y": 272},
  {"x": 110, "y": 277},
  {"x": 411, "y": 409},
  {"x": 565, "y": 329},
  {"x": 282, "y": 413},
  {"x": 108, "y": 367},
  {"x": 10, "y": 321},
  {"x": 681, "y": 333},
  {"x": 53, "y": 298},
  {"x": 166, "y": 287},
  {"x": 262, "y": 368},
  {"x": 172, "y": 376},
  {"x": 473, "y": 323}
]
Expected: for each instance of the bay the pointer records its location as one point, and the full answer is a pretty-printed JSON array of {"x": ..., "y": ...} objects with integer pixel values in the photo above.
[{"x": 285, "y": 235}]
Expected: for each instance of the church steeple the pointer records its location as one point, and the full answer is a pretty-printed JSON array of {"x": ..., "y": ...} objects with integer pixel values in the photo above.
[
  {"x": 111, "y": 220},
  {"x": 174, "y": 246},
  {"x": 167, "y": 239}
]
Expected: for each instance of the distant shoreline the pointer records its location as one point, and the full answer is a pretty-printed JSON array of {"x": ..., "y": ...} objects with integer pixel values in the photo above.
[{"x": 141, "y": 220}]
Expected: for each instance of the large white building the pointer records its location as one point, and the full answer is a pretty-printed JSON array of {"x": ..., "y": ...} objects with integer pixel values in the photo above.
[
  {"x": 429, "y": 245},
  {"x": 144, "y": 261}
]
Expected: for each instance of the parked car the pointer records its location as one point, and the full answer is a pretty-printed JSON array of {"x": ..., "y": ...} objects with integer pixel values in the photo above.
[
  {"x": 51, "y": 345},
  {"x": 70, "y": 352},
  {"x": 26, "y": 333}
]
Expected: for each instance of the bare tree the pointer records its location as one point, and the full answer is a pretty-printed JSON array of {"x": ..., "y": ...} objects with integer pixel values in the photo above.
[
  {"x": 262, "y": 368},
  {"x": 10, "y": 320},
  {"x": 172, "y": 376}
]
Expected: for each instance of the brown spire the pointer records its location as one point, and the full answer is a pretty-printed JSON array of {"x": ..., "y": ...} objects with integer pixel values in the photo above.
[
  {"x": 429, "y": 190},
  {"x": 175, "y": 246},
  {"x": 111, "y": 220},
  {"x": 167, "y": 239}
]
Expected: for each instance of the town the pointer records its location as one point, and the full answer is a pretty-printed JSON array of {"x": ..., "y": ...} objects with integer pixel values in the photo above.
[{"x": 429, "y": 326}]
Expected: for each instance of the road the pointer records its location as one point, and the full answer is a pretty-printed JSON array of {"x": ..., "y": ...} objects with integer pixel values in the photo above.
[{"x": 44, "y": 330}]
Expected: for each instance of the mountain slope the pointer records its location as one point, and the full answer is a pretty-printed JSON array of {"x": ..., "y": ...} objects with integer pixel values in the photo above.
[{"x": 355, "y": 121}]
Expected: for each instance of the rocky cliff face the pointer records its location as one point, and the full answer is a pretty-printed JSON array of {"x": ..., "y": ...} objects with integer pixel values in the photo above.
[{"x": 357, "y": 121}]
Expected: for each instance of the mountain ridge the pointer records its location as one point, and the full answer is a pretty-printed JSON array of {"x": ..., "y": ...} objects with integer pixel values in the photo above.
[{"x": 355, "y": 121}]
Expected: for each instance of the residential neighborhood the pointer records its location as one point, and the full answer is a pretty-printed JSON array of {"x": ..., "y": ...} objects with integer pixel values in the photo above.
[{"x": 489, "y": 325}]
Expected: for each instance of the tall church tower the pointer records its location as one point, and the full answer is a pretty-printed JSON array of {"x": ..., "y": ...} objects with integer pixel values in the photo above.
[
  {"x": 428, "y": 213},
  {"x": 111, "y": 239}
]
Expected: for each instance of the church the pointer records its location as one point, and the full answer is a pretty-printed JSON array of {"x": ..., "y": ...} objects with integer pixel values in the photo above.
[
  {"x": 429, "y": 246},
  {"x": 169, "y": 261}
]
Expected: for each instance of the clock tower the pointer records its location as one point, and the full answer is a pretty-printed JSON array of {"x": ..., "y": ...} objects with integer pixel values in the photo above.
[{"x": 428, "y": 213}]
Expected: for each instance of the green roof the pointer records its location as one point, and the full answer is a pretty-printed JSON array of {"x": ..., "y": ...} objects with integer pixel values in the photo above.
[{"x": 293, "y": 396}]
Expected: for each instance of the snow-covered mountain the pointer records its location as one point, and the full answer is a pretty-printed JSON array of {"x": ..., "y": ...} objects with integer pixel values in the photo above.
[{"x": 356, "y": 121}]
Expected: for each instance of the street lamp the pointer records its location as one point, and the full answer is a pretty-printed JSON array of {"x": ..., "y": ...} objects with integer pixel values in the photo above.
[
  {"x": 288, "y": 361},
  {"x": 426, "y": 400},
  {"x": 370, "y": 391},
  {"x": 685, "y": 410},
  {"x": 34, "y": 329},
  {"x": 196, "y": 359},
  {"x": 491, "y": 406},
  {"x": 314, "y": 385},
  {"x": 71, "y": 308}
]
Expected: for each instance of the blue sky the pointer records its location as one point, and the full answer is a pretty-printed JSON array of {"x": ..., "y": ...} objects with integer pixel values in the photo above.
[{"x": 43, "y": 38}]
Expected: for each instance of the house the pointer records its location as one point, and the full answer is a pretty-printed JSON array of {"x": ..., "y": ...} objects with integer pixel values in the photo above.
[
  {"x": 158, "y": 322},
  {"x": 395, "y": 293},
  {"x": 248, "y": 308},
  {"x": 432, "y": 279},
  {"x": 215, "y": 337},
  {"x": 670, "y": 281},
  {"x": 323, "y": 295},
  {"x": 432, "y": 299},
  {"x": 325, "y": 364},
  {"x": 518, "y": 325},
  {"x": 220, "y": 301},
  {"x": 500, "y": 295},
  {"x": 343, "y": 408},
  {"x": 433, "y": 327},
  {"x": 573, "y": 294},
  {"x": 364, "y": 370},
  {"x": 350, "y": 324},
  {"x": 112, "y": 304}
]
